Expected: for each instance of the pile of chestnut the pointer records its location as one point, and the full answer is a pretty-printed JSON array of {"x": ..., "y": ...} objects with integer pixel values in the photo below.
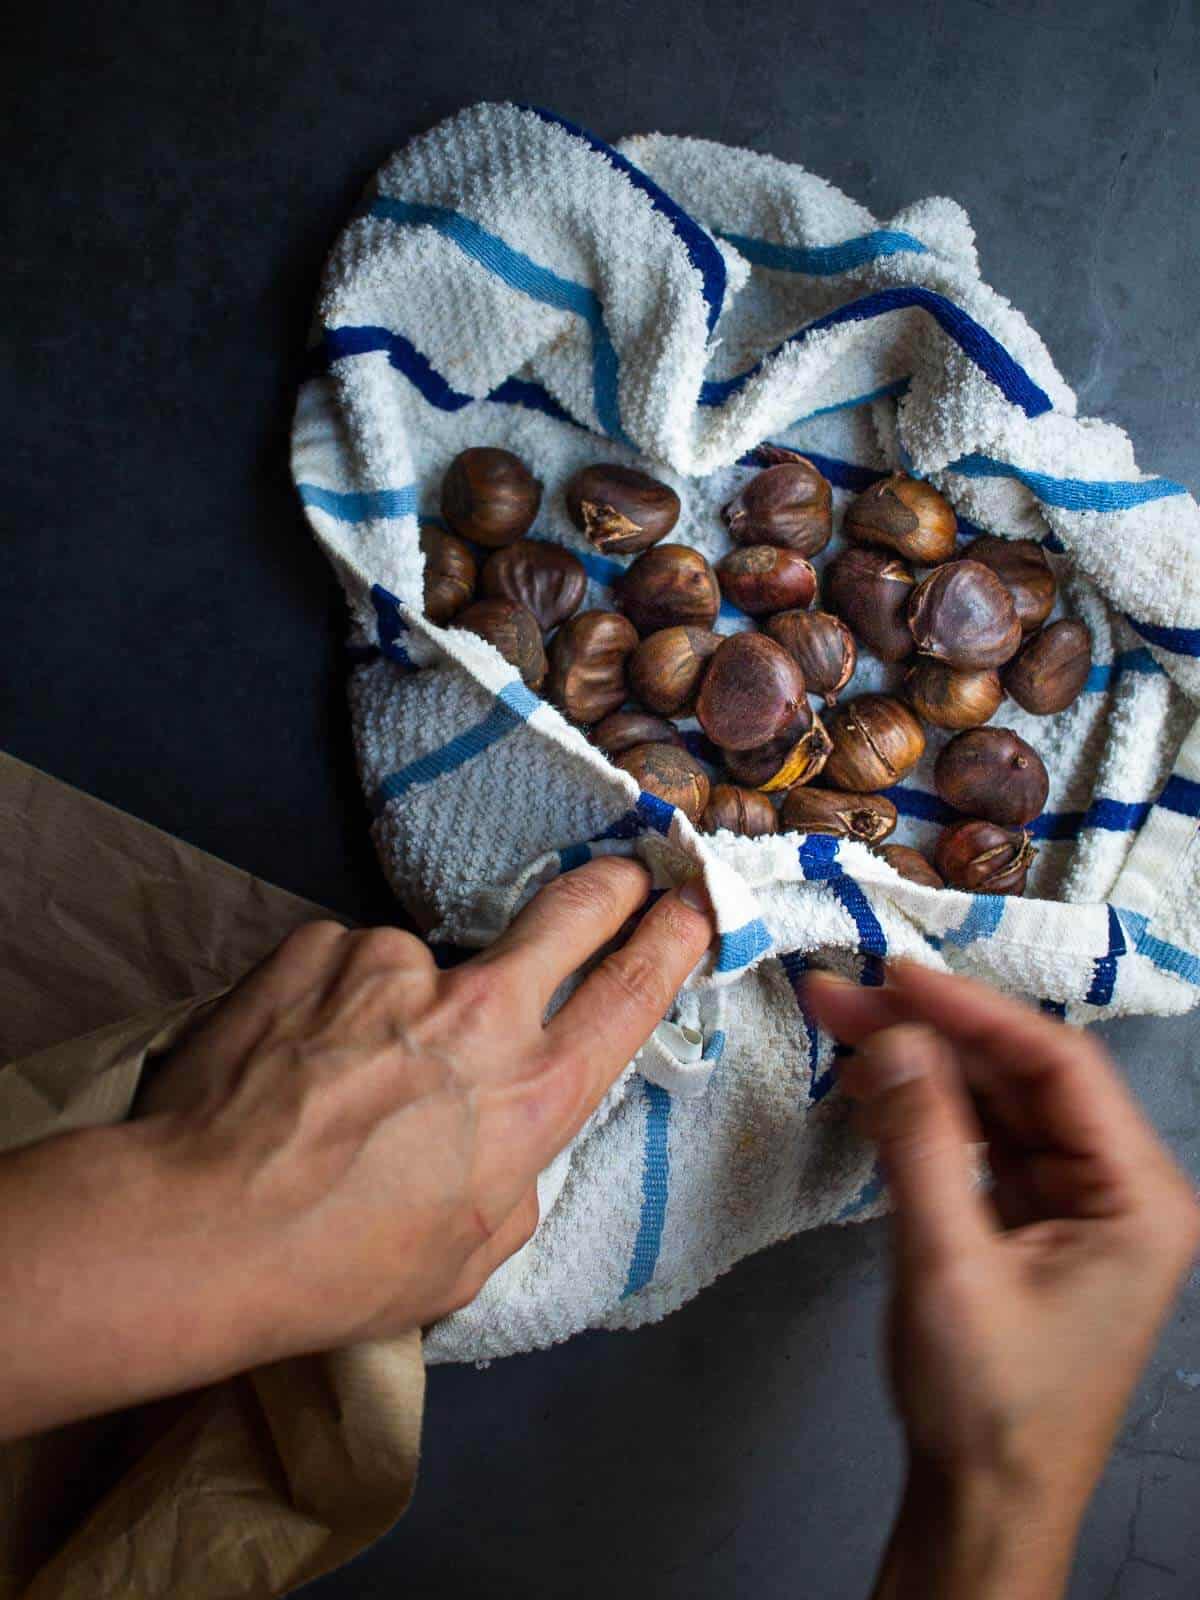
[{"x": 973, "y": 627}]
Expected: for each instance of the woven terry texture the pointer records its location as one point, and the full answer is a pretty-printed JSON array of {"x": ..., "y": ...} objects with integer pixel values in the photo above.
[{"x": 670, "y": 303}]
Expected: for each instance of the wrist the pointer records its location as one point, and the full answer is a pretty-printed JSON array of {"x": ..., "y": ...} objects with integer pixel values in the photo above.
[{"x": 986, "y": 1534}]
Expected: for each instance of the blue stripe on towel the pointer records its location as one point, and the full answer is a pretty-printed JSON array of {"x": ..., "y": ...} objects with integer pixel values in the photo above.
[
  {"x": 1167, "y": 957},
  {"x": 1104, "y": 976},
  {"x": 656, "y": 1183},
  {"x": 701, "y": 251},
  {"x": 742, "y": 945},
  {"x": 514, "y": 705},
  {"x": 841, "y": 474},
  {"x": 819, "y": 863},
  {"x": 866, "y": 1196},
  {"x": 714, "y": 1046},
  {"x": 819, "y": 1083},
  {"x": 981, "y": 921},
  {"x": 362, "y": 505},
  {"x": 988, "y": 354},
  {"x": 390, "y": 627},
  {"x": 337, "y": 343},
  {"x": 1182, "y": 795},
  {"x": 1181, "y": 641},
  {"x": 824, "y": 260},
  {"x": 522, "y": 392},
  {"x": 1072, "y": 494},
  {"x": 1110, "y": 816},
  {"x": 527, "y": 277}
]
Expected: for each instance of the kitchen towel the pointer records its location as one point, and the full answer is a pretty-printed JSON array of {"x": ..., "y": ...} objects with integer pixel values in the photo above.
[{"x": 509, "y": 279}]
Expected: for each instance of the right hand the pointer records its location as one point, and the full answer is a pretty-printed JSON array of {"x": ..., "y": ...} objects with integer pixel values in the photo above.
[{"x": 1020, "y": 1316}]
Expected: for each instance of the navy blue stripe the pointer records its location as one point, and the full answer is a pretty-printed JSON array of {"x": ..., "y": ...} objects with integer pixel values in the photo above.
[
  {"x": 1181, "y": 794},
  {"x": 824, "y": 260},
  {"x": 701, "y": 251},
  {"x": 1104, "y": 977},
  {"x": 521, "y": 392},
  {"x": 988, "y": 354},
  {"x": 1112, "y": 816},
  {"x": 1182, "y": 641},
  {"x": 1052, "y": 1008},
  {"x": 337, "y": 343},
  {"x": 818, "y": 861},
  {"x": 390, "y": 627},
  {"x": 841, "y": 474}
]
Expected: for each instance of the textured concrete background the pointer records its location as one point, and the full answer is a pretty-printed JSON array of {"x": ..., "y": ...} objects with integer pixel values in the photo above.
[{"x": 169, "y": 637}]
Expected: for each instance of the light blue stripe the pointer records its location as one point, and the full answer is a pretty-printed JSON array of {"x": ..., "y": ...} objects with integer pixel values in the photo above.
[
  {"x": 739, "y": 948},
  {"x": 1072, "y": 494},
  {"x": 824, "y": 260},
  {"x": 884, "y": 392},
  {"x": 528, "y": 277},
  {"x": 866, "y": 1196},
  {"x": 714, "y": 1046},
  {"x": 1167, "y": 957},
  {"x": 656, "y": 1182},
  {"x": 363, "y": 505},
  {"x": 980, "y": 922},
  {"x": 514, "y": 704}
]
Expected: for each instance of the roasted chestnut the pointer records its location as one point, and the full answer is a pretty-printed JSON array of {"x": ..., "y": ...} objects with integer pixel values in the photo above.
[
  {"x": 752, "y": 692},
  {"x": 992, "y": 773},
  {"x": 490, "y": 495},
  {"x": 951, "y": 699},
  {"x": 621, "y": 730},
  {"x": 543, "y": 577},
  {"x": 744, "y": 811},
  {"x": 513, "y": 631},
  {"x": 821, "y": 645},
  {"x": 620, "y": 509},
  {"x": 866, "y": 817},
  {"x": 668, "y": 586},
  {"x": 911, "y": 864},
  {"x": 790, "y": 504},
  {"x": 1049, "y": 671},
  {"x": 762, "y": 578},
  {"x": 906, "y": 515},
  {"x": 666, "y": 668},
  {"x": 587, "y": 664},
  {"x": 963, "y": 615},
  {"x": 1022, "y": 568},
  {"x": 670, "y": 773},
  {"x": 876, "y": 740},
  {"x": 781, "y": 763},
  {"x": 449, "y": 572},
  {"x": 871, "y": 590},
  {"x": 984, "y": 857}
]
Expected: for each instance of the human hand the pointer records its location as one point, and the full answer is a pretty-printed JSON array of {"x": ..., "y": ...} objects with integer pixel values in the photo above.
[
  {"x": 346, "y": 1148},
  {"x": 1021, "y": 1316}
]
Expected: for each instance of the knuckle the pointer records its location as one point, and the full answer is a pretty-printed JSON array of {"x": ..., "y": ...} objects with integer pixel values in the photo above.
[
  {"x": 393, "y": 947},
  {"x": 315, "y": 939}
]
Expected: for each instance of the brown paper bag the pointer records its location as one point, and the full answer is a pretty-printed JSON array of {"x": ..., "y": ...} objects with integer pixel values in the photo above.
[{"x": 250, "y": 1487}]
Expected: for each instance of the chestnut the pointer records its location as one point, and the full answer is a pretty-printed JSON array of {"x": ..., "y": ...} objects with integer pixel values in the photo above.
[
  {"x": 906, "y": 515},
  {"x": 951, "y": 699},
  {"x": 449, "y": 572},
  {"x": 752, "y": 692},
  {"x": 870, "y": 591},
  {"x": 963, "y": 615},
  {"x": 781, "y": 763},
  {"x": 587, "y": 664},
  {"x": 1049, "y": 671},
  {"x": 621, "y": 730},
  {"x": 668, "y": 586},
  {"x": 1022, "y": 568},
  {"x": 866, "y": 817},
  {"x": 911, "y": 864},
  {"x": 992, "y": 773},
  {"x": 543, "y": 577},
  {"x": 513, "y": 631},
  {"x": 762, "y": 578},
  {"x": 984, "y": 857},
  {"x": 821, "y": 645},
  {"x": 670, "y": 773},
  {"x": 876, "y": 740},
  {"x": 666, "y": 668},
  {"x": 789, "y": 504},
  {"x": 744, "y": 811},
  {"x": 620, "y": 509},
  {"x": 490, "y": 496}
]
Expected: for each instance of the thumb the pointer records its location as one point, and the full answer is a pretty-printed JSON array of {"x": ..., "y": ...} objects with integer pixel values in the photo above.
[{"x": 916, "y": 1110}]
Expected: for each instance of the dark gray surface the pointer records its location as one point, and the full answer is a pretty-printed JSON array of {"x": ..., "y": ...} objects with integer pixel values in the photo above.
[{"x": 169, "y": 635}]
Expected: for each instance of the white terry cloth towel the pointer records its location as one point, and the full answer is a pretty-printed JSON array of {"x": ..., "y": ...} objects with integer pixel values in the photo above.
[{"x": 670, "y": 303}]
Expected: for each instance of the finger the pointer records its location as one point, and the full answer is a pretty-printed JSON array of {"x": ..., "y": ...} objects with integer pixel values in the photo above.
[
  {"x": 1063, "y": 1081},
  {"x": 564, "y": 924},
  {"x": 386, "y": 978},
  {"x": 848, "y": 1010},
  {"x": 606, "y": 1021},
  {"x": 914, "y": 1107}
]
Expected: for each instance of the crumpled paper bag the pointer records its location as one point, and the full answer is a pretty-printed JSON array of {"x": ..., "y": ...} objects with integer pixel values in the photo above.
[{"x": 252, "y": 1486}]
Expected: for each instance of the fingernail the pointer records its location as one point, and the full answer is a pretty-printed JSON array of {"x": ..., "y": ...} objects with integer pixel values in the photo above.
[
  {"x": 694, "y": 894},
  {"x": 893, "y": 1059}
]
